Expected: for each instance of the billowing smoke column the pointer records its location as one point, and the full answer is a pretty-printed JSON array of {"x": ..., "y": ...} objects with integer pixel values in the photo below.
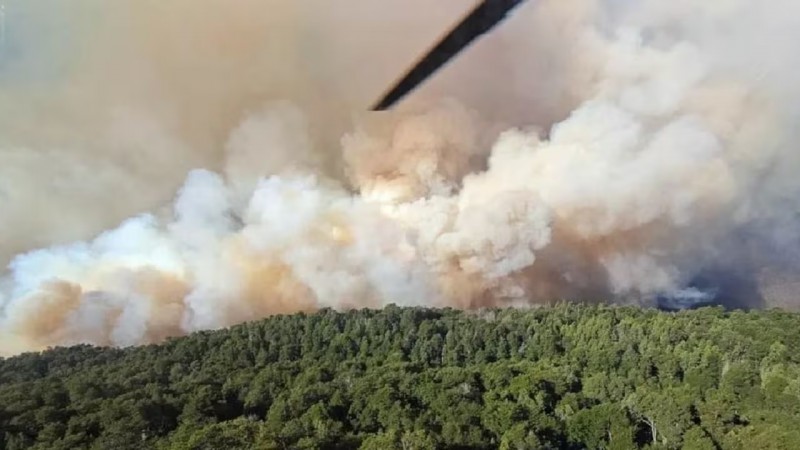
[{"x": 670, "y": 180}]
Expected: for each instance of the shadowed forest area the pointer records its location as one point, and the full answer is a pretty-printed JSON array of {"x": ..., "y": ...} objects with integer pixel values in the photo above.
[{"x": 569, "y": 377}]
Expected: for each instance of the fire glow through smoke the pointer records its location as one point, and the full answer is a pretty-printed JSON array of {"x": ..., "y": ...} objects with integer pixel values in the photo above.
[{"x": 666, "y": 172}]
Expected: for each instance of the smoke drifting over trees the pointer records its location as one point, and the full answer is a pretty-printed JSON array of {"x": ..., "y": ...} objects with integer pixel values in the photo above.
[{"x": 601, "y": 150}]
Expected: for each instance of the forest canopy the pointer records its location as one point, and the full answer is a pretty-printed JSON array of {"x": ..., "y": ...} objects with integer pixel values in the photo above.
[{"x": 568, "y": 377}]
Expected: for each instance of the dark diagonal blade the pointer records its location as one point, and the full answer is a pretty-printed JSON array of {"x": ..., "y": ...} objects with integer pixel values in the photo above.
[{"x": 479, "y": 21}]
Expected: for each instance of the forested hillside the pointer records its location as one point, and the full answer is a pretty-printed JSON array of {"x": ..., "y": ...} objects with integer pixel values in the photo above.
[{"x": 564, "y": 377}]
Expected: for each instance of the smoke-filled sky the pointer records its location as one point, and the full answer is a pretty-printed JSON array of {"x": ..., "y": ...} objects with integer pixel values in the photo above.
[{"x": 167, "y": 167}]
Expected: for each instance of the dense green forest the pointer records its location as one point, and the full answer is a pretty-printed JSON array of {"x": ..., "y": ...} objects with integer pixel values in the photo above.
[{"x": 568, "y": 377}]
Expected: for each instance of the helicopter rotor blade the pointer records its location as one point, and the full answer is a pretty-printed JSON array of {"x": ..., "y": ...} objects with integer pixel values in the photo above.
[{"x": 479, "y": 21}]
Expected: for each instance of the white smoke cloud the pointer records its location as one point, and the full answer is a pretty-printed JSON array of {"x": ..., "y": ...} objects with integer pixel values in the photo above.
[{"x": 672, "y": 164}]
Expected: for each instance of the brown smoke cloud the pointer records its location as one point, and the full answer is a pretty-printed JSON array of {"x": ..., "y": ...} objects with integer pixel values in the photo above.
[
  {"x": 617, "y": 150},
  {"x": 136, "y": 93}
]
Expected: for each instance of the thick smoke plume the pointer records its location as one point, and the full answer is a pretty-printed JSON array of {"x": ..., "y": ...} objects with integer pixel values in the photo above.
[{"x": 638, "y": 152}]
